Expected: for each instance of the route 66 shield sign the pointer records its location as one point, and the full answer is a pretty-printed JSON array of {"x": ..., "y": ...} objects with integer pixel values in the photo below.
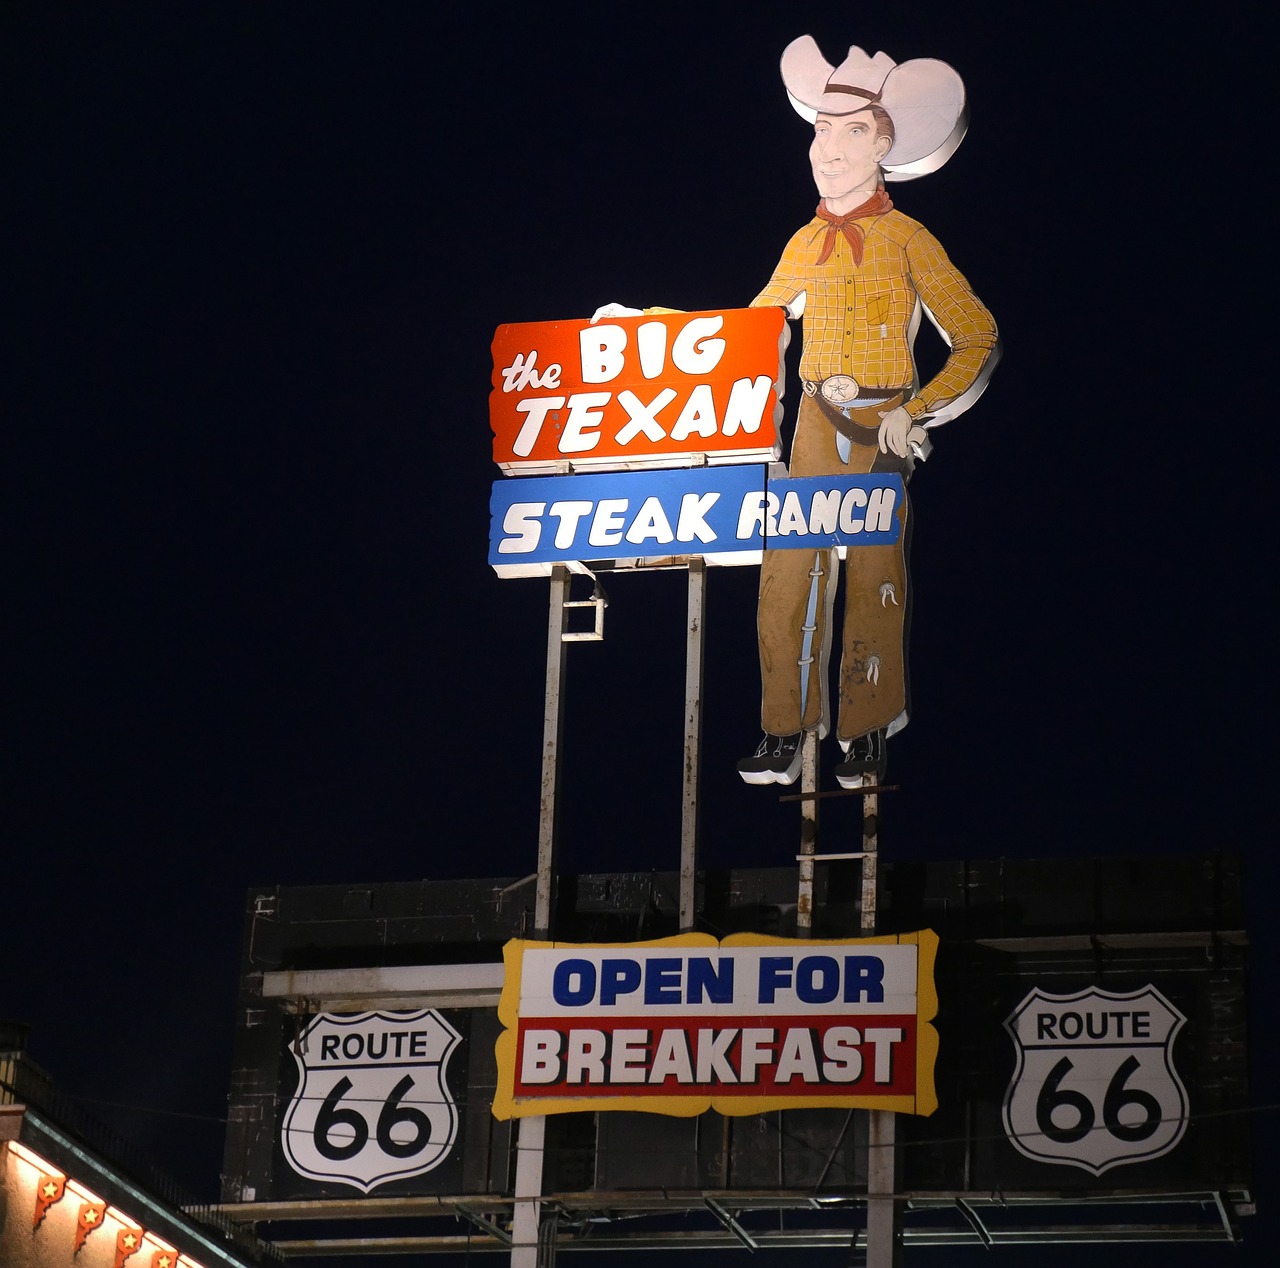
[
  {"x": 1095, "y": 1085},
  {"x": 372, "y": 1103}
]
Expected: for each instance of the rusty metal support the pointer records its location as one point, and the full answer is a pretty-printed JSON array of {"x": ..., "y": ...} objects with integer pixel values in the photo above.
[
  {"x": 483, "y": 1223},
  {"x": 870, "y": 849},
  {"x": 526, "y": 1216},
  {"x": 694, "y": 644},
  {"x": 552, "y": 733},
  {"x": 727, "y": 1219},
  {"x": 808, "y": 832},
  {"x": 884, "y": 1215},
  {"x": 839, "y": 792},
  {"x": 597, "y": 603}
]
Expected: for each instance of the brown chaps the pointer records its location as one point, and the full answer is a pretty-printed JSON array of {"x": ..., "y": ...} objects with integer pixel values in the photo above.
[{"x": 873, "y": 665}]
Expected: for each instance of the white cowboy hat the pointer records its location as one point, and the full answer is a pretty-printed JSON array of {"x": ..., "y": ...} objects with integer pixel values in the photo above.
[{"x": 924, "y": 98}]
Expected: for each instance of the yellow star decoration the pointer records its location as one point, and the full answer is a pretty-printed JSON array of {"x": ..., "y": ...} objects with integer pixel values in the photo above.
[
  {"x": 90, "y": 1216},
  {"x": 50, "y": 1189},
  {"x": 164, "y": 1262},
  {"x": 129, "y": 1240}
]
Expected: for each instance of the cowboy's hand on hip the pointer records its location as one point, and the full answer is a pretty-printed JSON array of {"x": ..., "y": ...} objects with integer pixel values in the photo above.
[
  {"x": 615, "y": 310},
  {"x": 895, "y": 425}
]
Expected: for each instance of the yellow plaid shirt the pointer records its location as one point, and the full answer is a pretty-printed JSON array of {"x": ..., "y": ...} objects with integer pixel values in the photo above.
[{"x": 858, "y": 317}]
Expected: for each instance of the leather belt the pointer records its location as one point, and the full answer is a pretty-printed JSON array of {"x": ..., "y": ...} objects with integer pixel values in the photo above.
[{"x": 838, "y": 413}]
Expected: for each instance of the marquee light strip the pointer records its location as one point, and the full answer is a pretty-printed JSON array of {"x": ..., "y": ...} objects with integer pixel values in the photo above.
[{"x": 51, "y": 1186}]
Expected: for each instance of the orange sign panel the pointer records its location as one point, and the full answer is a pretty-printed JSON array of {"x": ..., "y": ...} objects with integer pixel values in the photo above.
[{"x": 675, "y": 390}]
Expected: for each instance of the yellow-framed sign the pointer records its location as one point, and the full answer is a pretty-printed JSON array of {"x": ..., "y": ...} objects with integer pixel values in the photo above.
[{"x": 743, "y": 1025}]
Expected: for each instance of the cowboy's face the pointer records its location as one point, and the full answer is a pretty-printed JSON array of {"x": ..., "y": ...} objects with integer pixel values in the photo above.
[{"x": 845, "y": 156}]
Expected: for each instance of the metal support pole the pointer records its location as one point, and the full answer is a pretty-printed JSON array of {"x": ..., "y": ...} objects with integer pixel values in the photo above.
[
  {"x": 883, "y": 1217},
  {"x": 870, "y": 848},
  {"x": 552, "y": 732},
  {"x": 808, "y": 832},
  {"x": 884, "y": 1243},
  {"x": 692, "y": 744},
  {"x": 527, "y": 1211}
]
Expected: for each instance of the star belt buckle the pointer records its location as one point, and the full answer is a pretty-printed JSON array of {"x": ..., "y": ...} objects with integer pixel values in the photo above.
[{"x": 840, "y": 390}]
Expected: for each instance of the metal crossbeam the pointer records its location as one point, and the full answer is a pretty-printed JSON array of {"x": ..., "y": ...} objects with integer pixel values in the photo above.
[
  {"x": 785, "y": 1239},
  {"x": 732, "y": 1224},
  {"x": 483, "y": 1224}
]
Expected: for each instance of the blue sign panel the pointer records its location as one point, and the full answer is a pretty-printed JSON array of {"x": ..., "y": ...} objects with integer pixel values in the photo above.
[
  {"x": 725, "y": 515},
  {"x": 845, "y": 510}
]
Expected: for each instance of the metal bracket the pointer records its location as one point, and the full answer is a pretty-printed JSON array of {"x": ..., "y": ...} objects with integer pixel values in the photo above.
[
  {"x": 870, "y": 790},
  {"x": 975, "y": 1222},
  {"x": 1224, "y": 1214},
  {"x": 484, "y": 1224},
  {"x": 731, "y": 1224},
  {"x": 599, "y": 600},
  {"x": 823, "y": 858}
]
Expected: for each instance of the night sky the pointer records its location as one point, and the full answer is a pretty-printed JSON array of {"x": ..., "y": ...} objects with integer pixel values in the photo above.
[{"x": 255, "y": 257}]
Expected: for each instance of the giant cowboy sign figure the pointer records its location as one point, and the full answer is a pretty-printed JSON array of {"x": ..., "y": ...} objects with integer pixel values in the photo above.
[{"x": 860, "y": 273}]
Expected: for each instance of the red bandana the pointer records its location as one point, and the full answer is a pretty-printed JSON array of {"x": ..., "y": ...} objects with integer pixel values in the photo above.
[{"x": 876, "y": 205}]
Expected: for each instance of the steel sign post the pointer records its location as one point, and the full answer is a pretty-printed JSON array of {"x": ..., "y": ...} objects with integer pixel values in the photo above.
[
  {"x": 530, "y": 1143},
  {"x": 694, "y": 645}
]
